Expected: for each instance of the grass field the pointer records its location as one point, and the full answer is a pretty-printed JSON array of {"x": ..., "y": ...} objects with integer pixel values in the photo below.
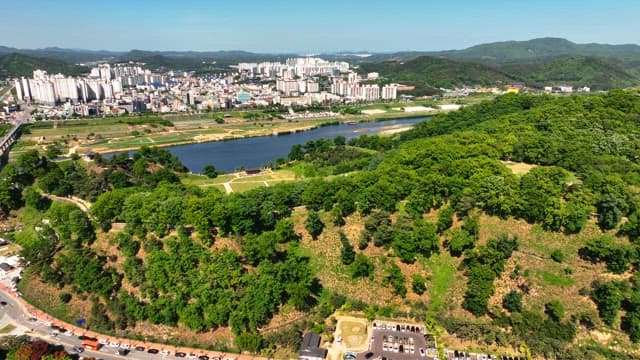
[
  {"x": 240, "y": 182},
  {"x": 441, "y": 281}
]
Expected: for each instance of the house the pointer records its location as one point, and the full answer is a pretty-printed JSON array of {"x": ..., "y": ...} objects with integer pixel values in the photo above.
[
  {"x": 310, "y": 348},
  {"x": 5, "y": 268}
]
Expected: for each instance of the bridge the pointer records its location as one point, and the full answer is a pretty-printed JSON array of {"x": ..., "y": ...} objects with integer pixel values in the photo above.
[{"x": 9, "y": 138}]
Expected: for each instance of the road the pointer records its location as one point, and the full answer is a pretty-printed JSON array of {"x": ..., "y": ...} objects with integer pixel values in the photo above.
[{"x": 22, "y": 315}]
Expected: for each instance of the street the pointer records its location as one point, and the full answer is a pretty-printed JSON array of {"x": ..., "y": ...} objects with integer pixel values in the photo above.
[{"x": 14, "y": 312}]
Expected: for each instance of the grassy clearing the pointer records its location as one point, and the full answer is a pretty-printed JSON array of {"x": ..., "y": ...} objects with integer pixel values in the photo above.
[
  {"x": 555, "y": 279},
  {"x": 240, "y": 182},
  {"x": 441, "y": 281},
  {"x": 518, "y": 168}
]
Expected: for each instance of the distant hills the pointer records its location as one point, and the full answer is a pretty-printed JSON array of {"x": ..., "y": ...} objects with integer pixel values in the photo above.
[
  {"x": 537, "y": 62},
  {"x": 536, "y": 49},
  {"x": 73, "y": 56},
  {"x": 427, "y": 73},
  {"x": 15, "y": 65}
]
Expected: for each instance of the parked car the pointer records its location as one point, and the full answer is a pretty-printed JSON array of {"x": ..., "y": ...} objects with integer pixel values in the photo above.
[
  {"x": 102, "y": 341},
  {"x": 203, "y": 357},
  {"x": 139, "y": 348},
  {"x": 180, "y": 355},
  {"x": 114, "y": 344},
  {"x": 78, "y": 349},
  {"x": 422, "y": 353},
  {"x": 153, "y": 351}
]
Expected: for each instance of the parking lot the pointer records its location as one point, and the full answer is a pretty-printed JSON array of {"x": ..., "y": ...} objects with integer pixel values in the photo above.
[{"x": 396, "y": 341}]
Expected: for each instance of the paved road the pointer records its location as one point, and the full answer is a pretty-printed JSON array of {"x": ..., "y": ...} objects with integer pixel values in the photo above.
[{"x": 21, "y": 314}]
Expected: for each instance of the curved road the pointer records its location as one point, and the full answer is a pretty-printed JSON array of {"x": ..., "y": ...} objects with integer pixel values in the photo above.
[{"x": 36, "y": 324}]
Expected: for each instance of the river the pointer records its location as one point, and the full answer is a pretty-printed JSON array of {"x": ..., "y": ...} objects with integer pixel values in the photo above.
[{"x": 256, "y": 152}]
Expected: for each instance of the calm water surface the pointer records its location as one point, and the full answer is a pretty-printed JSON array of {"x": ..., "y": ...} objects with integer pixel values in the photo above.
[{"x": 256, "y": 152}]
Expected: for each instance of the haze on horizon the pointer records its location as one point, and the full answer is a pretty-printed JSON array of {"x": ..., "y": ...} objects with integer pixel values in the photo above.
[{"x": 281, "y": 26}]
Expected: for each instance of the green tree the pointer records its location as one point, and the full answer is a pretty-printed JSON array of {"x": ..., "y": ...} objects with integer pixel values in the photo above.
[
  {"x": 418, "y": 284},
  {"x": 512, "y": 301},
  {"x": 314, "y": 224},
  {"x": 210, "y": 171},
  {"x": 347, "y": 254},
  {"x": 361, "y": 267},
  {"x": 608, "y": 298},
  {"x": 555, "y": 310},
  {"x": 445, "y": 218}
]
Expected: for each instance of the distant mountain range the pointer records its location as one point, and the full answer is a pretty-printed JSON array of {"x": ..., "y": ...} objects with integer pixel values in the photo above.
[{"x": 535, "y": 62}]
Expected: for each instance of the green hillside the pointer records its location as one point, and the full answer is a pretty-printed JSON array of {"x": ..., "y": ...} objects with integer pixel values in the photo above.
[
  {"x": 597, "y": 73},
  {"x": 430, "y": 73},
  {"x": 535, "y": 49},
  {"x": 15, "y": 65},
  {"x": 511, "y": 226},
  {"x": 427, "y": 73}
]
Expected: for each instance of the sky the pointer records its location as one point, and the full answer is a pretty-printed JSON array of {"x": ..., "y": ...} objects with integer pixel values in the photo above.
[{"x": 303, "y": 26}]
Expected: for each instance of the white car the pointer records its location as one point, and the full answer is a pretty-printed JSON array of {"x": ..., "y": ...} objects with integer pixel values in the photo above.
[
  {"x": 395, "y": 348},
  {"x": 164, "y": 352},
  {"x": 192, "y": 356},
  {"x": 384, "y": 346},
  {"x": 422, "y": 354},
  {"x": 69, "y": 333},
  {"x": 114, "y": 344},
  {"x": 102, "y": 341},
  {"x": 125, "y": 346}
]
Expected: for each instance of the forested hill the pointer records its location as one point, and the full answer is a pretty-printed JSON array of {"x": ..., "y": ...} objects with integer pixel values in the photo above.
[
  {"x": 539, "y": 49},
  {"x": 433, "y": 73},
  {"x": 435, "y": 224},
  {"x": 596, "y": 73},
  {"x": 430, "y": 72},
  {"x": 15, "y": 65}
]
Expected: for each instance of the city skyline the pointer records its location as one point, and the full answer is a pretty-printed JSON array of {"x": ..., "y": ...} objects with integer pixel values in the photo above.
[{"x": 284, "y": 26}]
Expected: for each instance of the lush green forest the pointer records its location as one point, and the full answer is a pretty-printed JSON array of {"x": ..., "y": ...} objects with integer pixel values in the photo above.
[
  {"x": 597, "y": 73},
  {"x": 428, "y": 74},
  {"x": 15, "y": 65},
  {"x": 509, "y": 52},
  {"x": 195, "y": 258}
]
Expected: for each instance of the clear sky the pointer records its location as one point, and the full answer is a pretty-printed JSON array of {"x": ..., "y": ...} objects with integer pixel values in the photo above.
[{"x": 310, "y": 26}]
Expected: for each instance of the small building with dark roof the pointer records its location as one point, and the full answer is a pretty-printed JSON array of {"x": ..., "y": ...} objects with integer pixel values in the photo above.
[
  {"x": 310, "y": 348},
  {"x": 5, "y": 268}
]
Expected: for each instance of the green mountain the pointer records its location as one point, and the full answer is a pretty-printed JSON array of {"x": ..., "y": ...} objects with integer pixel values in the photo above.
[
  {"x": 536, "y": 49},
  {"x": 15, "y": 65},
  {"x": 428, "y": 73},
  {"x": 597, "y": 73}
]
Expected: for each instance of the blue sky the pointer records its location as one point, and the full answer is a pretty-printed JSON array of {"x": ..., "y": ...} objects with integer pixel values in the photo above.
[{"x": 310, "y": 26}]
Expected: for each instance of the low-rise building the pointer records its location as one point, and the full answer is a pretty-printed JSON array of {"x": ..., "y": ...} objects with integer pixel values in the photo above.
[{"x": 310, "y": 348}]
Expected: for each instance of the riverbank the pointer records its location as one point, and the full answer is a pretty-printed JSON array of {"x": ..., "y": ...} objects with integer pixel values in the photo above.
[{"x": 116, "y": 135}]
